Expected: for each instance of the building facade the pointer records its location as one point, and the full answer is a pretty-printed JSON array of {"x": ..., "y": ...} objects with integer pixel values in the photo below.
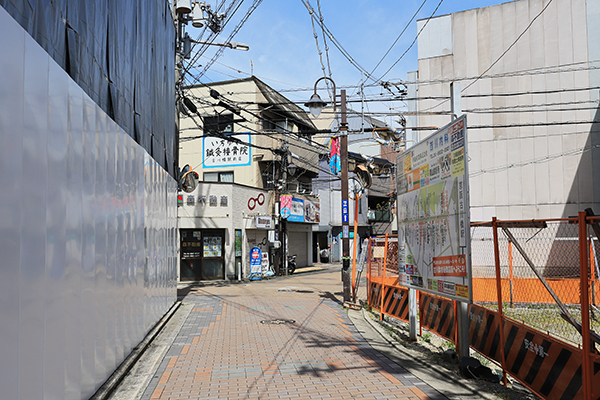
[
  {"x": 88, "y": 206},
  {"x": 528, "y": 77},
  {"x": 371, "y": 144},
  {"x": 252, "y": 148}
]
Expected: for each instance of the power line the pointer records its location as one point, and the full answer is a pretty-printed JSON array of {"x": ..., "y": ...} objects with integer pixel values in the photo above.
[
  {"x": 511, "y": 46},
  {"x": 261, "y": 118},
  {"x": 399, "y": 36},
  {"x": 501, "y": 55},
  {"x": 512, "y": 111},
  {"x": 253, "y": 7},
  {"x": 324, "y": 41},
  {"x": 524, "y": 125},
  {"x": 334, "y": 40},
  {"x": 525, "y": 72},
  {"x": 413, "y": 42},
  {"x": 540, "y": 160}
]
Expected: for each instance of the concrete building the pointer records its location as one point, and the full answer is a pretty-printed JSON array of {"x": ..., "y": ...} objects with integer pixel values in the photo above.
[
  {"x": 528, "y": 76},
  {"x": 251, "y": 147},
  {"x": 88, "y": 203}
]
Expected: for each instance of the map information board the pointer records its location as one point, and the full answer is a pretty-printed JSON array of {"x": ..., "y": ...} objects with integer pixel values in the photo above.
[{"x": 433, "y": 214}]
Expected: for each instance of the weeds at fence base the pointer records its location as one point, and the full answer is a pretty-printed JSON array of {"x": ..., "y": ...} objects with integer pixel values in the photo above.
[{"x": 433, "y": 349}]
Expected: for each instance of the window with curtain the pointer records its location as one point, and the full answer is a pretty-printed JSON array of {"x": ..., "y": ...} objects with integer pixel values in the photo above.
[{"x": 218, "y": 176}]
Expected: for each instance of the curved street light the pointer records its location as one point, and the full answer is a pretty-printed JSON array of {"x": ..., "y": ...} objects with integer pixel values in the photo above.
[{"x": 315, "y": 104}]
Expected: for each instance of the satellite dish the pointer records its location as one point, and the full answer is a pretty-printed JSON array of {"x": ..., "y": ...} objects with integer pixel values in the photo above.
[{"x": 189, "y": 181}]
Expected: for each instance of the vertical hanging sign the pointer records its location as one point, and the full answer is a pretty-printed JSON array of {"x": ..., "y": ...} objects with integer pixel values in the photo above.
[{"x": 345, "y": 211}]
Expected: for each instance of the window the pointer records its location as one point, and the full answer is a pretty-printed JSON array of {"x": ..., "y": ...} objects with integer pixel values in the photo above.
[
  {"x": 218, "y": 176},
  {"x": 218, "y": 124}
]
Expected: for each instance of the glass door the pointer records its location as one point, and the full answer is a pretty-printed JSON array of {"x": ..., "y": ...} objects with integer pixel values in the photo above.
[
  {"x": 202, "y": 254},
  {"x": 213, "y": 255}
]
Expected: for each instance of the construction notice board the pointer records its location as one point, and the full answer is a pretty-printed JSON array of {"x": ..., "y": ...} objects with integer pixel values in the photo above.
[{"x": 434, "y": 253}]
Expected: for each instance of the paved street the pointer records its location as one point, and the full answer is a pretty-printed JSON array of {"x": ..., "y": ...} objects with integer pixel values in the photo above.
[{"x": 282, "y": 338}]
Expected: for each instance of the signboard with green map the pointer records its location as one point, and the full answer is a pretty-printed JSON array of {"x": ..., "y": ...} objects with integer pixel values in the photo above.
[{"x": 434, "y": 253}]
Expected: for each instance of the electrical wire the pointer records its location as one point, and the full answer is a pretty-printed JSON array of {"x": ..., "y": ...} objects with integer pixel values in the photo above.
[
  {"x": 287, "y": 131},
  {"x": 399, "y": 36},
  {"x": 524, "y": 125},
  {"x": 219, "y": 52},
  {"x": 324, "y": 41},
  {"x": 540, "y": 160},
  {"x": 413, "y": 42},
  {"x": 503, "y": 54},
  {"x": 312, "y": 21},
  {"x": 562, "y": 68},
  {"x": 333, "y": 39},
  {"x": 229, "y": 12}
]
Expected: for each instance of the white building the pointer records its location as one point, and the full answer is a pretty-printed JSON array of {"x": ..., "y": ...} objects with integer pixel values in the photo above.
[
  {"x": 249, "y": 146},
  {"x": 528, "y": 74}
]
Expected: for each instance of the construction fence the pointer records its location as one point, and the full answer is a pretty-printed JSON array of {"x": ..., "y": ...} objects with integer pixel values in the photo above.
[{"x": 539, "y": 278}]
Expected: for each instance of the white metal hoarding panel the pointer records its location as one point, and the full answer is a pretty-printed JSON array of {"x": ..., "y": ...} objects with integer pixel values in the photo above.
[
  {"x": 74, "y": 245},
  {"x": 74, "y": 210},
  {"x": 56, "y": 227},
  {"x": 33, "y": 242},
  {"x": 12, "y": 181},
  {"x": 433, "y": 214}
]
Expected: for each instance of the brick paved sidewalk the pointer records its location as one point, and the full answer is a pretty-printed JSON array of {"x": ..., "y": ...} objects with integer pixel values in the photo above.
[{"x": 278, "y": 339}]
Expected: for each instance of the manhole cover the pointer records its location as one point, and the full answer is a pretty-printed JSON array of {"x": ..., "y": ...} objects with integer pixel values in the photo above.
[{"x": 277, "y": 321}]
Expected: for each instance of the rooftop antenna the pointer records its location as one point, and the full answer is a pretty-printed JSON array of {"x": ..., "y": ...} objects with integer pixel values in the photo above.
[{"x": 251, "y": 68}]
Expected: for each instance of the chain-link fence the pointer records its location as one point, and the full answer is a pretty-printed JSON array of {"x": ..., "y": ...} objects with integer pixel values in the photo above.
[
  {"x": 539, "y": 274},
  {"x": 537, "y": 266},
  {"x": 382, "y": 259}
]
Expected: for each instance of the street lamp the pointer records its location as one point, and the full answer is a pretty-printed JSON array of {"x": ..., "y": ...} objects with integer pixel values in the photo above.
[
  {"x": 187, "y": 45},
  {"x": 315, "y": 105}
]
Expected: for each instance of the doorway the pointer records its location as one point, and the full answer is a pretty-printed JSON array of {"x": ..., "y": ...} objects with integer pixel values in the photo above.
[{"x": 202, "y": 254}]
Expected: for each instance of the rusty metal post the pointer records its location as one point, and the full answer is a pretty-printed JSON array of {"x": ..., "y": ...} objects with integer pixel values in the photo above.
[
  {"x": 510, "y": 272},
  {"x": 499, "y": 294},
  {"x": 356, "y": 202},
  {"x": 369, "y": 275},
  {"x": 385, "y": 254},
  {"x": 592, "y": 279},
  {"x": 585, "y": 306},
  {"x": 456, "y": 325}
]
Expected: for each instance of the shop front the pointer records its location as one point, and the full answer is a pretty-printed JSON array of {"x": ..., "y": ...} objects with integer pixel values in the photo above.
[
  {"x": 202, "y": 254},
  {"x": 219, "y": 223}
]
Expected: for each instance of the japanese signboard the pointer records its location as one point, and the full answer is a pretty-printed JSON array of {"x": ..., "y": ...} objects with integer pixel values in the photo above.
[
  {"x": 286, "y": 205},
  {"x": 224, "y": 153},
  {"x": 433, "y": 214},
  {"x": 345, "y": 211},
  {"x": 255, "y": 260},
  {"x": 297, "y": 210}
]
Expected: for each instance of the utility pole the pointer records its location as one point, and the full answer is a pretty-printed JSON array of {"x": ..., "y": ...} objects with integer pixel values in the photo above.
[
  {"x": 315, "y": 104},
  {"x": 346, "y": 280}
]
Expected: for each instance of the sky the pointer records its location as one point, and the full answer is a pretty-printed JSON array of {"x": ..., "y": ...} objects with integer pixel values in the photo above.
[{"x": 283, "y": 50}]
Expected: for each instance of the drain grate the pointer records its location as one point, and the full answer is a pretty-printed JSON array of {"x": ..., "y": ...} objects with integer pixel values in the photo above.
[{"x": 277, "y": 321}]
